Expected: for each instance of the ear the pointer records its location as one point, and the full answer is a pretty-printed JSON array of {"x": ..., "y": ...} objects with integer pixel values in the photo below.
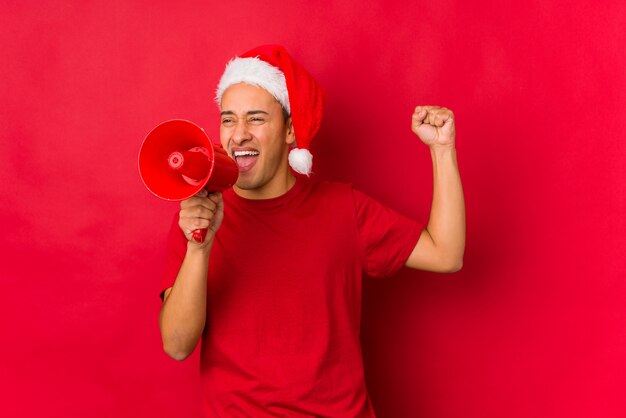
[{"x": 291, "y": 135}]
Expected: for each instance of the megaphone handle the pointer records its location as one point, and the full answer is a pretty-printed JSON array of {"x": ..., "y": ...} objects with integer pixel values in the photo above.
[{"x": 199, "y": 235}]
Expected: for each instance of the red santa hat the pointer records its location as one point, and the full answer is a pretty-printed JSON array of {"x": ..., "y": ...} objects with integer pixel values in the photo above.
[{"x": 272, "y": 68}]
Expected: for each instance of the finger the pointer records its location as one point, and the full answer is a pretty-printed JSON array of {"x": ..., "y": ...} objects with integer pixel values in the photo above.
[
  {"x": 427, "y": 111},
  {"x": 430, "y": 117},
  {"x": 212, "y": 206},
  {"x": 188, "y": 226},
  {"x": 437, "y": 116},
  {"x": 418, "y": 117},
  {"x": 197, "y": 224},
  {"x": 220, "y": 202},
  {"x": 202, "y": 193},
  {"x": 427, "y": 108},
  {"x": 444, "y": 116},
  {"x": 200, "y": 212},
  {"x": 195, "y": 201},
  {"x": 215, "y": 197},
  {"x": 439, "y": 119},
  {"x": 194, "y": 222}
]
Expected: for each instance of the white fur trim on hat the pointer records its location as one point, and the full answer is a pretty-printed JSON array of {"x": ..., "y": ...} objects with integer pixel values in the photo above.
[
  {"x": 301, "y": 160},
  {"x": 258, "y": 73}
]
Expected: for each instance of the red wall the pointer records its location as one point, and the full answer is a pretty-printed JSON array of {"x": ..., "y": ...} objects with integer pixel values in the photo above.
[{"x": 534, "y": 325}]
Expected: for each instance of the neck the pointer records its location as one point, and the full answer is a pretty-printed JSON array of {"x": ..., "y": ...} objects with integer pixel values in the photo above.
[{"x": 269, "y": 191}]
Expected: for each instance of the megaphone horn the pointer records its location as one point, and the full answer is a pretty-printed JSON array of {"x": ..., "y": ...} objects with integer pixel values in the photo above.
[{"x": 177, "y": 160}]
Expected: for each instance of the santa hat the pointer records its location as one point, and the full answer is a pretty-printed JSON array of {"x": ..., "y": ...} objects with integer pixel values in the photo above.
[{"x": 272, "y": 68}]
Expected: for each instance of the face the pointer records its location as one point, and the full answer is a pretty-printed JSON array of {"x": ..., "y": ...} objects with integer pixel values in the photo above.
[{"x": 255, "y": 133}]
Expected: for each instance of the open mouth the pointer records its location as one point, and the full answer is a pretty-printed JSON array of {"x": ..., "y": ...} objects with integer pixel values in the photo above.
[{"x": 245, "y": 159}]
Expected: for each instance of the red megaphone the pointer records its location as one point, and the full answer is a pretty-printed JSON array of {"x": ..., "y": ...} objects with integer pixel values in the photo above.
[{"x": 177, "y": 160}]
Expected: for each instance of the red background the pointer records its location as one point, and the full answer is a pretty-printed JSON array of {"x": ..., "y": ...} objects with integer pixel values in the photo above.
[{"x": 533, "y": 326}]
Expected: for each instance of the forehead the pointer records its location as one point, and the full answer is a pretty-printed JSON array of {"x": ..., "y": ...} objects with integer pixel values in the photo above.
[{"x": 243, "y": 97}]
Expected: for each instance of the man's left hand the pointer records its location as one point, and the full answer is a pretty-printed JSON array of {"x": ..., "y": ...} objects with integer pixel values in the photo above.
[{"x": 434, "y": 125}]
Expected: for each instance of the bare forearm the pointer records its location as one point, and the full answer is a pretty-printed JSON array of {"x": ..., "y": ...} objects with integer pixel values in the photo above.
[
  {"x": 446, "y": 225},
  {"x": 442, "y": 243},
  {"x": 183, "y": 314}
]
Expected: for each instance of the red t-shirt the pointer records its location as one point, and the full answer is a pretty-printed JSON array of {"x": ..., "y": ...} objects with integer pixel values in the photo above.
[{"x": 284, "y": 299}]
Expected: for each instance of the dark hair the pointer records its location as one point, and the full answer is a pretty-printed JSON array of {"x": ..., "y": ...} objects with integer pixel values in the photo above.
[{"x": 286, "y": 114}]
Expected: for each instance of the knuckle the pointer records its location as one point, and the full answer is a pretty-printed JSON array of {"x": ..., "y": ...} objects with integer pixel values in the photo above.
[
  {"x": 192, "y": 201},
  {"x": 201, "y": 224},
  {"x": 200, "y": 211},
  {"x": 184, "y": 226},
  {"x": 190, "y": 212}
]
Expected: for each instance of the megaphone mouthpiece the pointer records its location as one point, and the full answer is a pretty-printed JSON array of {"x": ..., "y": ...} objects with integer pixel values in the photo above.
[{"x": 193, "y": 164}]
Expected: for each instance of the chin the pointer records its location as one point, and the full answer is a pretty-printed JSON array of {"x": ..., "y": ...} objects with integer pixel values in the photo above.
[{"x": 246, "y": 185}]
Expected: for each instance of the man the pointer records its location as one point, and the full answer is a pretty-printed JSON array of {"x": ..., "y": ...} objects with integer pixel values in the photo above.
[{"x": 274, "y": 291}]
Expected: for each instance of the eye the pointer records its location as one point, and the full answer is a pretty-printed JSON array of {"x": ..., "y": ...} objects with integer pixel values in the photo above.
[
  {"x": 255, "y": 120},
  {"x": 228, "y": 122}
]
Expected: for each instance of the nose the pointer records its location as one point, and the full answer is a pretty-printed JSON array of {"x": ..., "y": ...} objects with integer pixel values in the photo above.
[{"x": 241, "y": 133}]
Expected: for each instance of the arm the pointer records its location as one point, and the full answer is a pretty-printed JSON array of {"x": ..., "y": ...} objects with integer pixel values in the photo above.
[
  {"x": 442, "y": 243},
  {"x": 183, "y": 313}
]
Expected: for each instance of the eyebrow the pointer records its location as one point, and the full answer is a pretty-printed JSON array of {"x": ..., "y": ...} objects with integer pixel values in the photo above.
[{"x": 248, "y": 113}]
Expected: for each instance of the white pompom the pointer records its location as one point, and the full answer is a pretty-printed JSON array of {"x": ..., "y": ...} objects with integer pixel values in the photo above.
[{"x": 301, "y": 160}]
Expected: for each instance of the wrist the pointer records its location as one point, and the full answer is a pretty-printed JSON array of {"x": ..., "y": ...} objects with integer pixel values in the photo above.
[
  {"x": 199, "y": 249},
  {"x": 438, "y": 150}
]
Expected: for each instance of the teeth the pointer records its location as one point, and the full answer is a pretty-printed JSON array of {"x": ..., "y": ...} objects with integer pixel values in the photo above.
[{"x": 244, "y": 153}]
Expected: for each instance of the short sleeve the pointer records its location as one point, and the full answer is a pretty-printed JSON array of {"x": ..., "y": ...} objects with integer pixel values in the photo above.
[
  {"x": 387, "y": 237},
  {"x": 176, "y": 250}
]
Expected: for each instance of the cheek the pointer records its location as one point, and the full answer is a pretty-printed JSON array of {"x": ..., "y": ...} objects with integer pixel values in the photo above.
[{"x": 224, "y": 137}]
